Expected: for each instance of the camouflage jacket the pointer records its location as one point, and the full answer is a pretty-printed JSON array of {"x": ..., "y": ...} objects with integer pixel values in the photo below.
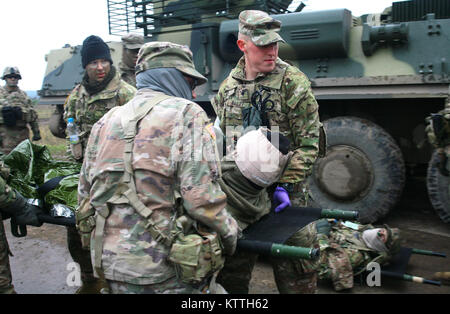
[
  {"x": 343, "y": 252},
  {"x": 87, "y": 109},
  {"x": 295, "y": 111},
  {"x": 176, "y": 168},
  {"x": 127, "y": 74},
  {"x": 7, "y": 195},
  {"x": 19, "y": 99},
  {"x": 246, "y": 203},
  {"x": 442, "y": 140}
]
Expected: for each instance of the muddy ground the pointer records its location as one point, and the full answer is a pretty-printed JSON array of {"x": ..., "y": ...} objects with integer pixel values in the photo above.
[{"x": 42, "y": 264}]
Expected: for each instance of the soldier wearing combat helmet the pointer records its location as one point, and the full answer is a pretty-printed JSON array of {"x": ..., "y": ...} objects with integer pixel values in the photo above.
[
  {"x": 16, "y": 113},
  {"x": 263, "y": 90}
]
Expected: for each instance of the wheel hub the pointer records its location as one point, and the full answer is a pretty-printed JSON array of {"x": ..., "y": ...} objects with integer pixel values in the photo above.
[{"x": 345, "y": 173}]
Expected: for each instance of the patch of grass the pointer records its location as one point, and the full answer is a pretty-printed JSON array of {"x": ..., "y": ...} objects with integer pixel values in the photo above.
[
  {"x": 57, "y": 151},
  {"x": 44, "y": 111},
  {"x": 56, "y": 145}
]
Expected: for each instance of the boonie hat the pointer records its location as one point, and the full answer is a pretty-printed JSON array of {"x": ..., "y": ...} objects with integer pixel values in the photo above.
[
  {"x": 132, "y": 41},
  {"x": 260, "y": 27},
  {"x": 11, "y": 71},
  {"x": 158, "y": 54}
]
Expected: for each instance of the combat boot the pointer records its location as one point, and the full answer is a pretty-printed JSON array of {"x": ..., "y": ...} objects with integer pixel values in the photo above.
[{"x": 91, "y": 285}]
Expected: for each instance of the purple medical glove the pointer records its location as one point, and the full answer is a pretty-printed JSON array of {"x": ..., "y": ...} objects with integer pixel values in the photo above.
[{"x": 281, "y": 198}]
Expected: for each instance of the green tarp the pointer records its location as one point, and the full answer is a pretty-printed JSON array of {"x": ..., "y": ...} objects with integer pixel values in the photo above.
[{"x": 31, "y": 165}]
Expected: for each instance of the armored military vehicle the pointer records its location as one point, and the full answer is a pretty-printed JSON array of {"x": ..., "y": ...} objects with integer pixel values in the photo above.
[{"x": 376, "y": 78}]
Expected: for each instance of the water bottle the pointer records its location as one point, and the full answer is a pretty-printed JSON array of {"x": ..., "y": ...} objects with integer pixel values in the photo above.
[{"x": 72, "y": 130}]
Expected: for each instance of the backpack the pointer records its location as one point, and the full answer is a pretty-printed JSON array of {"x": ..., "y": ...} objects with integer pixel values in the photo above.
[{"x": 195, "y": 256}]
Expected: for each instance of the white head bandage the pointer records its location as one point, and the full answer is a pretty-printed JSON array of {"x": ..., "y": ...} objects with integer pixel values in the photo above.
[
  {"x": 258, "y": 160},
  {"x": 373, "y": 241}
]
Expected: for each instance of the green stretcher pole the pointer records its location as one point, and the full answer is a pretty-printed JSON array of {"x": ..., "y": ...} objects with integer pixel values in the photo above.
[
  {"x": 340, "y": 214},
  {"x": 410, "y": 278},
  {"x": 425, "y": 252},
  {"x": 279, "y": 250}
]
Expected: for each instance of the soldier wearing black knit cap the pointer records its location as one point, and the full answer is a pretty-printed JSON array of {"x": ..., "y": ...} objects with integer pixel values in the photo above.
[{"x": 100, "y": 90}]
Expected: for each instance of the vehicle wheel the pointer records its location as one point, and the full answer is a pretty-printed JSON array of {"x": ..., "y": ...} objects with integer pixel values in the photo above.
[
  {"x": 438, "y": 189},
  {"x": 363, "y": 169}
]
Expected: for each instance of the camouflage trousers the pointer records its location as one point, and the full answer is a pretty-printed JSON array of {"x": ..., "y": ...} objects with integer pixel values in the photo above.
[
  {"x": 170, "y": 286},
  {"x": 335, "y": 265},
  {"x": 5, "y": 268},
  {"x": 292, "y": 276},
  {"x": 10, "y": 137},
  {"x": 300, "y": 197}
]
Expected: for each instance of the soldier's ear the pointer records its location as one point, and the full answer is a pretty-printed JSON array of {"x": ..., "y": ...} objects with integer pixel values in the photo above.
[{"x": 241, "y": 45}]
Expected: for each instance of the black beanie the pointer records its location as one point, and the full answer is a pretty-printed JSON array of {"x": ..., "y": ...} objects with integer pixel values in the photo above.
[{"x": 94, "y": 48}]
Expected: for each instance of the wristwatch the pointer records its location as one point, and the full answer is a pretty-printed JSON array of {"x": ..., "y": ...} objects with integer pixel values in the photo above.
[{"x": 289, "y": 187}]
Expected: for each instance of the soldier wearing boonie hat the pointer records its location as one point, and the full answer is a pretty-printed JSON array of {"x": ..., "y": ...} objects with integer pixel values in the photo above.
[
  {"x": 165, "y": 143},
  {"x": 168, "y": 55},
  {"x": 131, "y": 45},
  {"x": 160, "y": 56},
  {"x": 290, "y": 108}
]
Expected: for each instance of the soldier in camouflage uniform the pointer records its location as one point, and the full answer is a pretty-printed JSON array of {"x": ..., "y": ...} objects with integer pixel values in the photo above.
[
  {"x": 13, "y": 205},
  {"x": 346, "y": 249},
  {"x": 441, "y": 141},
  {"x": 100, "y": 90},
  {"x": 295, "y": 110},
  {"x": 137, "y": 177},
  {"x": 17, "y": 111},
  {"x": 131, "y": 45},
  {"x": 294, "y": 113},
  {"x": 259, "y": 160}
]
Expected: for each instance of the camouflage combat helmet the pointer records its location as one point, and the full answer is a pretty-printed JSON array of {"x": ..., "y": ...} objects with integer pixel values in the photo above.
[
  {"x": 11, "y": 71},
  {"x": 393, "y": 241},
  {"x": 156, "y": 54},
  {"x": 260, "y": 27}
]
